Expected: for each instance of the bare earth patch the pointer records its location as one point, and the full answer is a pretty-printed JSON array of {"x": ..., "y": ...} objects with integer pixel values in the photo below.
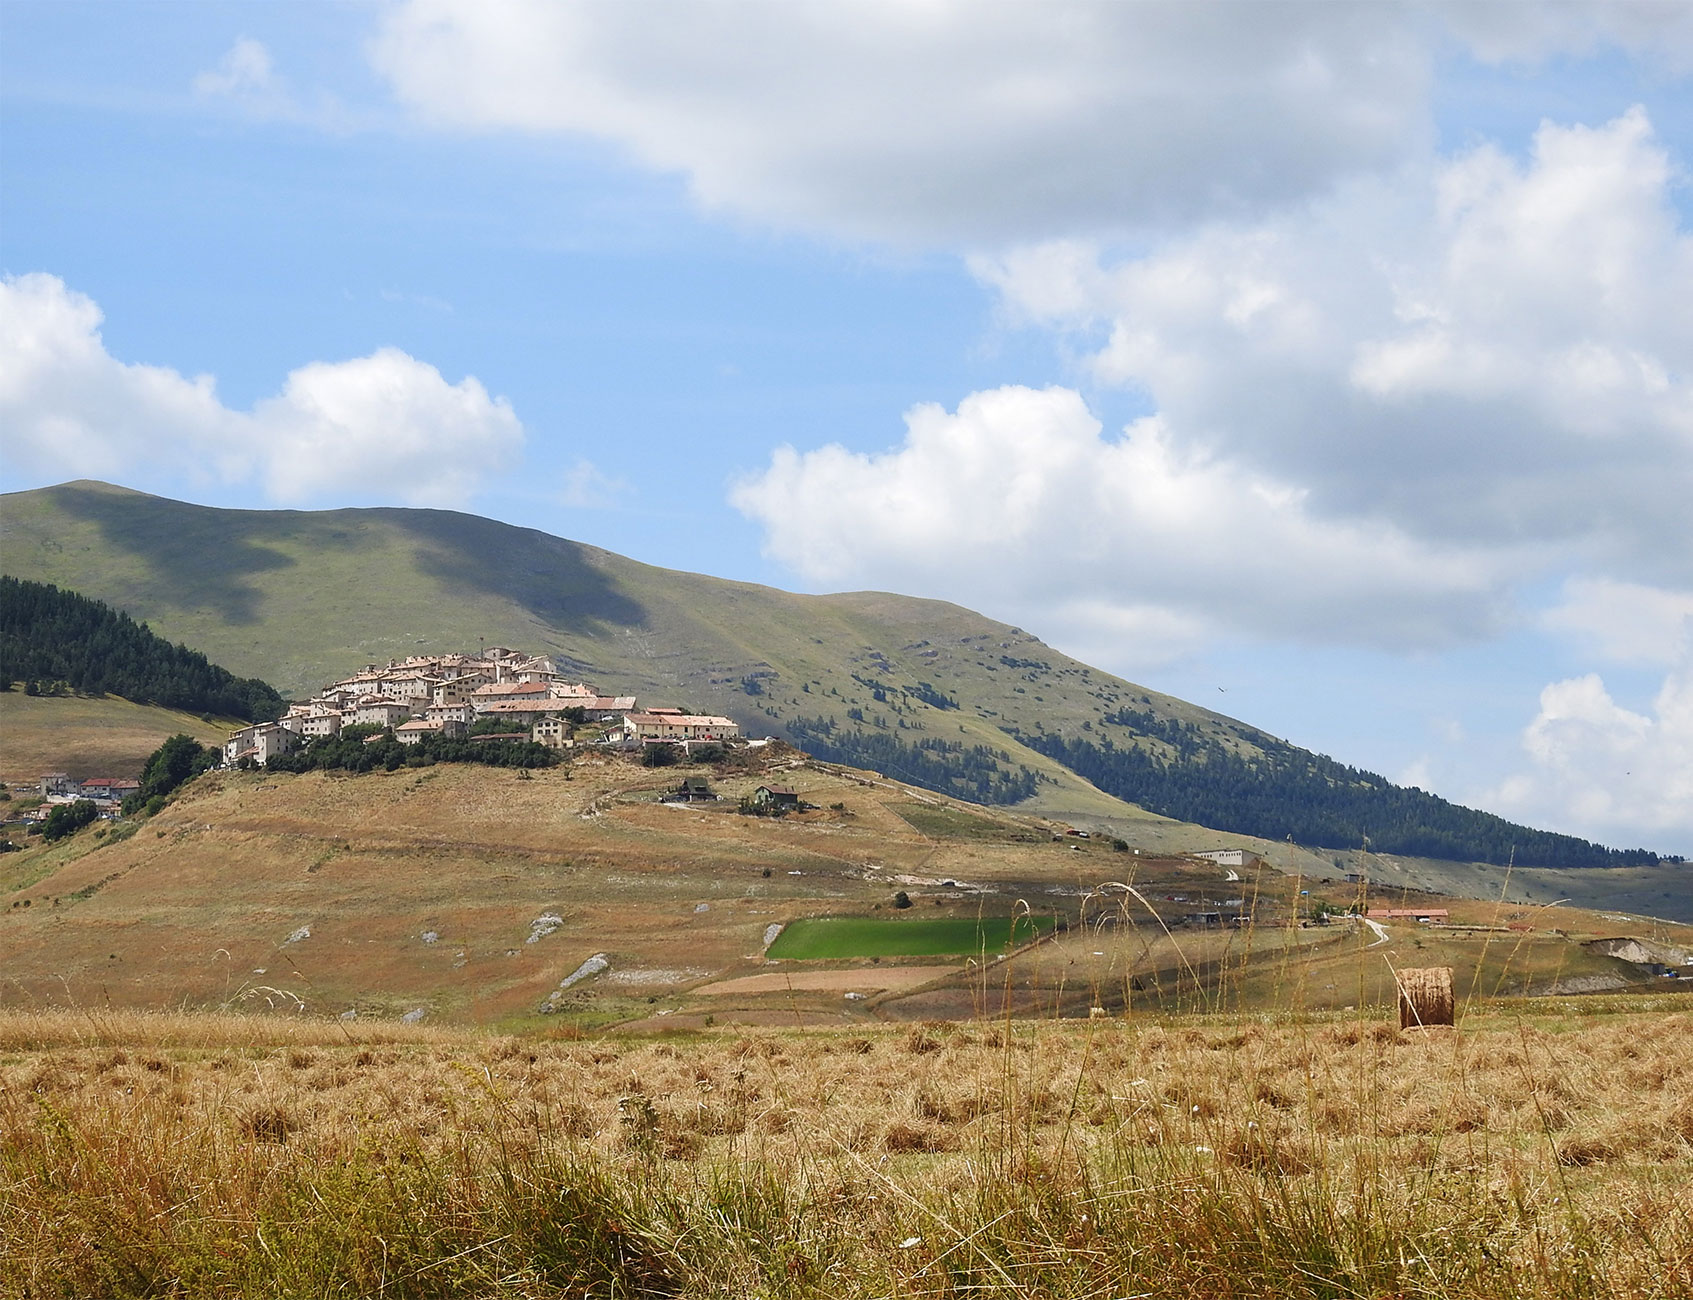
[{"x": 651, "y": 977}]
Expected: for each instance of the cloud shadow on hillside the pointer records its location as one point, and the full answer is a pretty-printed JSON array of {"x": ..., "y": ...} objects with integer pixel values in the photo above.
[
  {"x": 199, "y": 556},
  {"x": 548, "y": 576}
]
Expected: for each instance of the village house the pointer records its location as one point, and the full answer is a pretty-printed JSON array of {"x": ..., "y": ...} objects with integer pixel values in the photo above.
[
  {"x": 693, "y": 789},
  {"x": 261, "y": 742},
  {"x": 451, "y": 668},
  {"x": 536, "y": 669},
  {"x": 317, "y": 726},
  {"x": 605, "y": 708},
  {"x": 783, "y": 797},
  {"x": 409, "y": 685},
  {"x": 1230, "y": 857},
  {"x": 573, "y": 692},
  {"x": 59, "y": 783},
  {"x": 380, "y": 711},
  {"x": 519, "y": 712},
  {"x": 108, "y": 787},
  {"x": 510, "y": 691},
  {"x": 551, "y": 732},
  {"x": 336, "y": 699},
  {"x": 295, "y": 718},
  {"x": 673, "y": 724},
  {"x": 503, "y": 662},
  {"x": 458, "y": 690},
  {"x": 369, "y": 682},
  {"x": 409, "y": 733},
  {"x": 451, "y": 713}
]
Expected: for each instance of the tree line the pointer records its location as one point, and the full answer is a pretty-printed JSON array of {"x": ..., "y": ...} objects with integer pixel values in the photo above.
[
  {"x": 1284, "y": 792},
  {"x": 975, "y": 772},
  {"x": 50, "y": 636},
  {"x": 369, "y": 748}
]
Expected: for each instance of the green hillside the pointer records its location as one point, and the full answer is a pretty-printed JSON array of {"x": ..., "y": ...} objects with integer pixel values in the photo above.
[{"x": 922, "y": 690}]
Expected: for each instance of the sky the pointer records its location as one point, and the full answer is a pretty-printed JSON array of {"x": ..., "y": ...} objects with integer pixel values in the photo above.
[{"x": 1329, "y": 365}]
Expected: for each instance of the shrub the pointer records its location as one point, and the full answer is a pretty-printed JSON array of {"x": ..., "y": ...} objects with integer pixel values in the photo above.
[{"x": 68, "y": 818}]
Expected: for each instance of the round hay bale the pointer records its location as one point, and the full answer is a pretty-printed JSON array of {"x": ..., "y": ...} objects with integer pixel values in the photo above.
[{"x": 1425, "y": 997}]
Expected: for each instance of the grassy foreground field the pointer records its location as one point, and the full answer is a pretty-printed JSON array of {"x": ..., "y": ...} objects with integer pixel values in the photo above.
[{"x": 1538, "y": 1150}]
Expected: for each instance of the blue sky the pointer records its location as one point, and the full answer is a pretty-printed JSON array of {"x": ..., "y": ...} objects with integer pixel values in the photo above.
[{"x": 1328, "y": 365}]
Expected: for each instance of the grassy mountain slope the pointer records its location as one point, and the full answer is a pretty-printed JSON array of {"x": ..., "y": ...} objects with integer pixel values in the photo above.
[
  {"x": 89, "y": 737},
  {"x": 923, "y": 690}
]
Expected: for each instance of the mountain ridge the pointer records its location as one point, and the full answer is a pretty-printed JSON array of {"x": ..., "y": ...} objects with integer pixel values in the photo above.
[{"x": 967, "y": 705}]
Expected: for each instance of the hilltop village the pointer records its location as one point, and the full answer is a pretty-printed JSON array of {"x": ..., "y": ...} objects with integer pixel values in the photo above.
[{"x": 497, "y": 694}]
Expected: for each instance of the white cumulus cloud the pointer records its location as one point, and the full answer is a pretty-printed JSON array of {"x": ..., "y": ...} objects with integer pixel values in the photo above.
[
  {"x": 1377, "y": 418},
  {"x": 246, "y": 79},
  {"x": 386, "y": 426},
  {"x": 1625, "y": 622},
  {"x": 1017, "y": 503},
  {"x": 947, "y": 119},
  {"x": 979, "y": 124},
  {"x": 245, "y": 69},
  {"x": 1604, "y": 770},
  {"x": 1489, "y": 353}
]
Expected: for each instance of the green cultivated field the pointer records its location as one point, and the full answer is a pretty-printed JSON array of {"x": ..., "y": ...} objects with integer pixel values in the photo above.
[{"x": 863, "y": 936}]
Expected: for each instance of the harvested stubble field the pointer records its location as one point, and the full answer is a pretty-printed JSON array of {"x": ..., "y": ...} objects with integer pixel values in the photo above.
[{"x": 1538, "y": 1150}]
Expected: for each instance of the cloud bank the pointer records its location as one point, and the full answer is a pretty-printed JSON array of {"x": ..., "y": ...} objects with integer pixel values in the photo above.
[
  {"x": 1593, "y": 763},
  {"x": 1374, "y": 417},
  {"x": 945, "y": 120},
  {"x": 969, "y": 124},
  {"x": 1016, "y": 502},
  {"x": 386, "y": 426}
]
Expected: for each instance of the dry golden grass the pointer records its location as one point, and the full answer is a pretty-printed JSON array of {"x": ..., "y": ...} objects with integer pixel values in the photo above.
[
  {"x": 205, "y": 1155},
  {"x": 87, "y": 737}
]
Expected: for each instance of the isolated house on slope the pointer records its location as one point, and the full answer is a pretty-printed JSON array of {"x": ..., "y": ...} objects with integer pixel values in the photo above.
[
  {"x": 260, "y": 743},
  {"x": 673, "y": 724}
]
